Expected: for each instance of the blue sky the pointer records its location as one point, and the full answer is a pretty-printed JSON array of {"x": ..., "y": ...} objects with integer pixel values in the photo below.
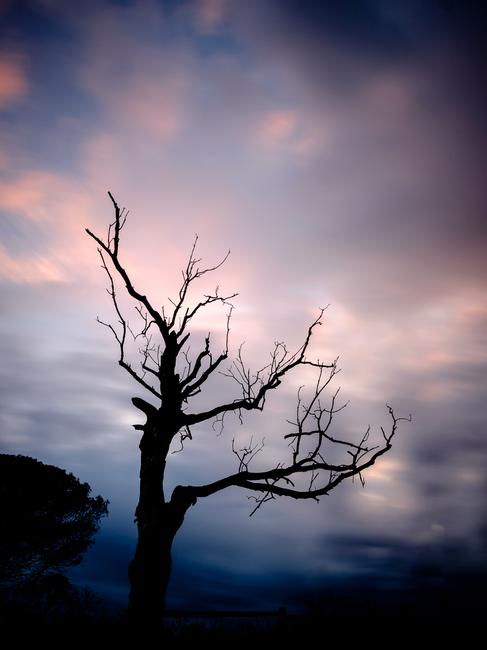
[{"x": 338, "y": 150}]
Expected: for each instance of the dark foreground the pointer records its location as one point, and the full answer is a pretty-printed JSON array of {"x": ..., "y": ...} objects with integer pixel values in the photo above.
[{"x": 452, "y": 612}]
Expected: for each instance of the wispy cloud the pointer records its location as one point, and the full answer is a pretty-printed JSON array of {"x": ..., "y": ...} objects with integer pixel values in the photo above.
[
  {"x": 14, "y": 85},
  {"x": 33, "y": 270}
]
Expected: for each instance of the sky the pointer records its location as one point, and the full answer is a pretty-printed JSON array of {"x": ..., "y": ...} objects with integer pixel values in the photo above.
[{"x": 338, "y": 150}]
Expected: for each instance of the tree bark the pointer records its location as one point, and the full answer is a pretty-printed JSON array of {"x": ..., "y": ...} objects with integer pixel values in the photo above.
[
  {"x": 157, "y": 525},
  {"x": 150, "y": 569}
]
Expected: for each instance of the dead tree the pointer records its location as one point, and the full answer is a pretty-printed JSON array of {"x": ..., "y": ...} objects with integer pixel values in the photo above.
[{"x": 311, "y": 471}]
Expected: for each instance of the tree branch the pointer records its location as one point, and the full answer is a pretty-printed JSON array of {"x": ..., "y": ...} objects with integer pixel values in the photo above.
[
  {"x": 167, "y": 327},
  {"x": 111, "y": 248},
  {"x": 191, "y": 273},
  {"x": 255, "y": 386},
  {"x": 270, "y": 482},
  {"x": 120, "y": 338}
]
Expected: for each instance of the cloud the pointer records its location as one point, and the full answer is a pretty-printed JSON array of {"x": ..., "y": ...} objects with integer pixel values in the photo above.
[
  {"x": 391, "y": 122},
  {"x": 25, "y": 194},
  {"x": 142, "y": 86},
  {"x": 209, "y": 14},
  {"x": 14, "y": 85},
  {"x": 44, "y": 215},
  {"x": 34, "y": 270},
  {"x": 277, "y": 126},
  {"x": 150, "y": 100}
]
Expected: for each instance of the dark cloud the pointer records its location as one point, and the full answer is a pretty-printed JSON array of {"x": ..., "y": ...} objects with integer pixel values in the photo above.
[{"x": 398, "y": 91}]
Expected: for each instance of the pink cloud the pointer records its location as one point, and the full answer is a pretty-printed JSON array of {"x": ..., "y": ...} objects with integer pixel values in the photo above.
[
  {"x": 13, "y": 81},
  {"x": 290, "y": 132},
  {"x": 141, "y": 85},
  {"x": 25, "y": 195},
  {"x": 36, "y": 269},
  {"x": 209, "y": 14},
  {"x": 156, "y": 106},
  {"x": 277, "y": 126},
  {"x": 4, "y": 160},
  {"x": 151, "y": 102},
  {"x": 59, "y": 208},
  {"x": 390, "y": 94}
]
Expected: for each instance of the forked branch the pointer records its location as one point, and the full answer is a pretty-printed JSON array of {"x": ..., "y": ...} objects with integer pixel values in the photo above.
[
  {"x": 121, "y": 334},
  {"x": 110, "y": 247},
  {"x": 256, "y": 385},
  {"x": 324, "y": 475},
  {"x": 169, "y": 328}
]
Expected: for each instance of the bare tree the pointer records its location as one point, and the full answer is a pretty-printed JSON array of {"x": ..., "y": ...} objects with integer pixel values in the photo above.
[{"x": 311, "y": 471}]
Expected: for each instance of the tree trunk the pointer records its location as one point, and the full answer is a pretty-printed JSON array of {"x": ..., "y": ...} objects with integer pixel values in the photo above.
[
  {"x": 157, "y": 524},
  {"x": 150, "y": 570}
]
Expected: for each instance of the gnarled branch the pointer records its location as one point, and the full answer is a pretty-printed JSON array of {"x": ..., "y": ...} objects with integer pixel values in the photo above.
[
  {"x": 111, "y": 249},
  {"x": 169, "y": 328},
  {"x": 255, "y": 386},
  {"x": 122, "y": 335},
  {"x": 278, "y": 480}
]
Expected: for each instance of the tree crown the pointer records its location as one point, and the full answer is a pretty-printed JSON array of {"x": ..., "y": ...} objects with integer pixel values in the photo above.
[
  {"x": 49, "y": 518},
  {"x": 311, "y": 471}
]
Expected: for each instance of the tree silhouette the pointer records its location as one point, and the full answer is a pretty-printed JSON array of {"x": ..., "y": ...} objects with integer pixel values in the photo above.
[
  {"x": 172, "y": 377},
  {"x": 48, "y": 519}
]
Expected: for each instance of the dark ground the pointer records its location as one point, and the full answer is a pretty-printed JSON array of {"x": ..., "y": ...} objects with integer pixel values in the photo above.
[{"x": 349, "y": 613}]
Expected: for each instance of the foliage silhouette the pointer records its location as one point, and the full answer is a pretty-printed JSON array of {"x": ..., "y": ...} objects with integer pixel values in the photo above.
[
  {"x": 172, "y": 375},
  {"x": 49, "y": 519}
]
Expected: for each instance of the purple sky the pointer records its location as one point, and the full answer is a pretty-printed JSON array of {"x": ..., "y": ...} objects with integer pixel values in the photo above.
[{"x": 338, "y": 150}]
